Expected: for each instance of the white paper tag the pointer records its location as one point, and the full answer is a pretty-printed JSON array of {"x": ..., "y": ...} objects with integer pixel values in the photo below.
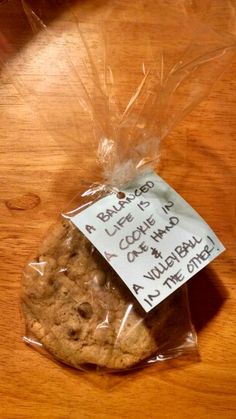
[{"x": 152, "y": 238}]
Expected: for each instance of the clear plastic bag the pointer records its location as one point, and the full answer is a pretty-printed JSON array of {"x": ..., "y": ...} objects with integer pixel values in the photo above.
[
  {"x": 122, "y": 70},
  {"x": 77, "y": 307}
]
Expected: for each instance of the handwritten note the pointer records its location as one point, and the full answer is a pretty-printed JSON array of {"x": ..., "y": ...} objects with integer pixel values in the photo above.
[{"x": 151, "y": 237}]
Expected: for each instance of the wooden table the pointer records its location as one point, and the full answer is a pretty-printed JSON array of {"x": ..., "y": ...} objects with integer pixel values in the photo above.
[{"x": 42, "y": 162}]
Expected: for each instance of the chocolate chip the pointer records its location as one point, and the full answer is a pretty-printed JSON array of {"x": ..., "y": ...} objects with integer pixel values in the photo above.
[
  {"x": 85, "y": 310},
  {"x": 51, "y": 281},
  {"x": 73, "y": 333}
]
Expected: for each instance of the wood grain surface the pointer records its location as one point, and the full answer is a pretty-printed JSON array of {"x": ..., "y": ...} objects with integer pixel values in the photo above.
[{"x": 40, "y": 172}]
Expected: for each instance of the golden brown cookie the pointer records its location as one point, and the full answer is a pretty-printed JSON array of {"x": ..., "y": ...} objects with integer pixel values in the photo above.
[{"x": 80, "y": 310}]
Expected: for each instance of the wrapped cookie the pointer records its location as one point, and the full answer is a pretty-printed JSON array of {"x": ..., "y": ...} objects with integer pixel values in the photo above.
[
  {"x": 106, "y": 287},
  {"x": 81, "y": 312}
]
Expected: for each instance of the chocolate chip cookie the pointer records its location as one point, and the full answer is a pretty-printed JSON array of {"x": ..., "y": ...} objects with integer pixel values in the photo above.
[{"x": 79, "y": 309}]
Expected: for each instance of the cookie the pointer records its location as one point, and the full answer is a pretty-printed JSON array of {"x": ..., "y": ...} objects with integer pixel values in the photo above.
[{"x": 79, "y": 309}]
